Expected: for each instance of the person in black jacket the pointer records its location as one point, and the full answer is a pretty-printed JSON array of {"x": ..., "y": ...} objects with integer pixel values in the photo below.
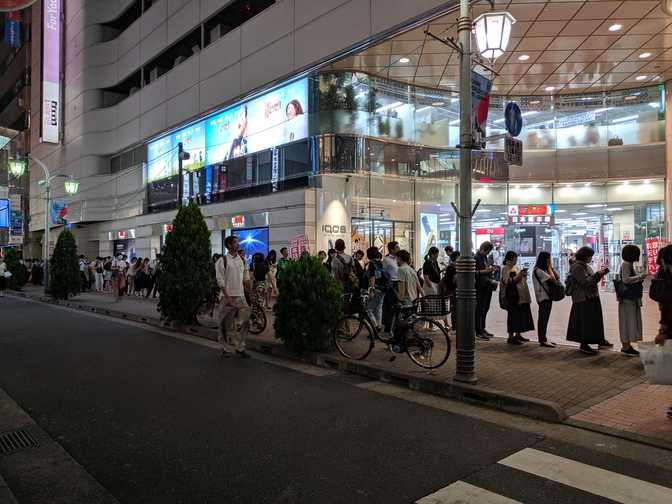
[{"x": 484, "y": 289}]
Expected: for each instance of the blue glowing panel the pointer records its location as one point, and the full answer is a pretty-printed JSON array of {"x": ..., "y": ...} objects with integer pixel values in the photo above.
[
  {"x": 252, "y": 241},
  {"x": 4, "y": 213}
]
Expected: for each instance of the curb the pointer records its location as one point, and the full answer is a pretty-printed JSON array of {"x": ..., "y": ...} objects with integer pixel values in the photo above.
[
  {"x": 621, "y": 434},
  {"x": 6, "y": 495},
  {"x": 482, "y": 396}
]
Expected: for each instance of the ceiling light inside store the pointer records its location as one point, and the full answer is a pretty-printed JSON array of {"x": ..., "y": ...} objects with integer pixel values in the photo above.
[
  {"x": 626, "y": 182},
  {"x": 524, "y": 57},
  {"x": 588, "y": 184},
  {"x": 597, "y": 205},
  {"x": 615, "y": 27},
  {"x": 404, "y": 60},
  {"x": 647, "y": 181},
  {"x": 561, "y": 211},
  {"x": 438, "y": 104},
  {"x": 535, "y": 102},
  {"x": 641, "y": 77},
  {"x": 645, "y": 55},
  {"x": 387, "y": 107},
  {"x": 423, "y": 109},
  {"x": 654, "y": 104},
  {"x": 616, "y": 209},
  {"x": 579, "y": 214},
  {"x": 453, "y": 100},
  {"x": 549, "y": 88}
]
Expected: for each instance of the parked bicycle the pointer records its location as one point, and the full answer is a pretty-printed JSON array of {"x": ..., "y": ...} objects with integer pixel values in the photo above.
[{"x": 426, "y": 341}]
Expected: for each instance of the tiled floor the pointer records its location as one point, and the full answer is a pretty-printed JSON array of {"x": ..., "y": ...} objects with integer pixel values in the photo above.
[{"x": 640, "y": 410}]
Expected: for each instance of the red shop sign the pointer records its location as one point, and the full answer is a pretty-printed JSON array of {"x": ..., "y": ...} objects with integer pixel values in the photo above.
[
  {"x": 13, "y": 5},
  {"x": 533, "y": 210},
  {"x": 490, "y": 231}
]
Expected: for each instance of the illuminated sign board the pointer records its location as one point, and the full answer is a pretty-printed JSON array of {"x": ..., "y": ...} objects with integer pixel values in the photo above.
[
  {"x": 51, "y": 71},
  {"x": 238, "y": 221},
  {"x": 532, "y": 214},
  {"x": 275, "y": 118},
  {"x": 4, "y": 213}
]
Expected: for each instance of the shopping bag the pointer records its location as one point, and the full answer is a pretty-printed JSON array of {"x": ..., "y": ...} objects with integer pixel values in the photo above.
[{"x": 657, "y": 362}]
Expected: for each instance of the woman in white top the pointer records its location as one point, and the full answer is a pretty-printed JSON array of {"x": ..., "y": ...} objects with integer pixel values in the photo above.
[
  {"x": 630, "y": 308},
  {"x": 542, "y": 275}
]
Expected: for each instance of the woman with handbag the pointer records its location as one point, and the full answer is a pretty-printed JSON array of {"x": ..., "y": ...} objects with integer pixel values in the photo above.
[
  {"x": 547, "y": 288},
  {"x": 661, "y": 292},
  {"x": 629, "y": 294},
  {"x": 586, "y": 322},
  {"x": 517, "y": 299}
]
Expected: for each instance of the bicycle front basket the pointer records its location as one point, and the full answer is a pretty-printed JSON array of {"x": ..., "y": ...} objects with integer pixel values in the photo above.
[{"x": 432, "y": 306}]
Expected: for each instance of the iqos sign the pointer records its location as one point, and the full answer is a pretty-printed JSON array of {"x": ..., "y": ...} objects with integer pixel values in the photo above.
[
  {"x": 14, "y": 5},
  {"x": 333, "y": 229}
]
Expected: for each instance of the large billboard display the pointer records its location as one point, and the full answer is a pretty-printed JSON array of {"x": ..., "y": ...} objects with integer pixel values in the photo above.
[
  {"x": 4, "y": 213},
  {"x": 252, "y": 241},
  {"x": 275, "y": 118},
  {"x": 51, "y": 71}
]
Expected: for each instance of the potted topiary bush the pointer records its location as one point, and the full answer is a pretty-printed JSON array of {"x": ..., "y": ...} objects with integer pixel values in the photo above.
[
  {"x": 185, "y": 267},
  {"x": 18, "y": 270},
  {"x": 64, "y": 279},
  {"x": 307, "y": 307}
]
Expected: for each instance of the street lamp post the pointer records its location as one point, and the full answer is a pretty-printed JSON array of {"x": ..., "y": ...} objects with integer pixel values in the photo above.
[{"x": 71, "y": 187}]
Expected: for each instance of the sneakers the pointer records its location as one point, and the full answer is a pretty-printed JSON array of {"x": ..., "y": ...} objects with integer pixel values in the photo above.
[
  {"x": 514, "y": 341},
  {"x": 488, "y": 334},
  {"x": 605, "y": 344},
  {"x": 630, "y": 352},
  {"x": 522, "y": 338},
  {"x": 587, "y": 350},
  {"x": 482, "y": 337},
  {"x": 547, "y": 344}
]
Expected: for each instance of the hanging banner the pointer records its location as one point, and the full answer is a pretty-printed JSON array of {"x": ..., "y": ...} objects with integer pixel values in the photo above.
[
  {"x": 480, "y": 102},
  {"x": 13, "y": 29},
  {"x": 297, "y": 245},
  {"x": 15, "y": 5},
  {"x": 59, "y": 212},
  {"x": 51, "y": 71},
  {"x": 653, "y": 246}
]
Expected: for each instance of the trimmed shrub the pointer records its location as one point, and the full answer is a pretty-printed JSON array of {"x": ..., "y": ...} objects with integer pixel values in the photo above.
[
  {"x": 64, "y": 279},
  {"x": 185, "y": 267},
  {"x": 18, "y": 270},
  {"x": 308, "y": 306}
]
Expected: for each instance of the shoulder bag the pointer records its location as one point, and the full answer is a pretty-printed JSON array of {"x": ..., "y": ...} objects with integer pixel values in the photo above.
[
  {"x": 661, "y": 289},
  {"x": 554, "y": 290},
  {"x": 628, "y": 290}
]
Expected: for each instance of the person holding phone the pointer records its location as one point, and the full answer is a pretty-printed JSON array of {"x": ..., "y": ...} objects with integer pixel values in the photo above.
[
  {"x": 586, "y": 322},
  {"x": 513, "y": 284}
]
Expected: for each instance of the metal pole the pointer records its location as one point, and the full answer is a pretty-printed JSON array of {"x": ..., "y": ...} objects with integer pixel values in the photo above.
[
  {"x": 180, "y": 176},
  {"x": 47, "y": 204},
  {"x": 465, "y": 266}
]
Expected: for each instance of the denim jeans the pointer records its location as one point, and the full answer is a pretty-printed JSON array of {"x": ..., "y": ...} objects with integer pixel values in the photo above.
[{"x": 375, "y": 307}]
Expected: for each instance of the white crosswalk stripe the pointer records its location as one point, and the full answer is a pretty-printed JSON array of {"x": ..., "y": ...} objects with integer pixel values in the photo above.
[
  {"x": 590, "y": 479},
  {"x": 464, "y": 493},
  {"x": 614, "y": 486}
]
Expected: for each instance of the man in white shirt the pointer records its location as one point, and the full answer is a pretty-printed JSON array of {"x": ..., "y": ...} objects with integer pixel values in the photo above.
[{"x": 232, "y": 275}]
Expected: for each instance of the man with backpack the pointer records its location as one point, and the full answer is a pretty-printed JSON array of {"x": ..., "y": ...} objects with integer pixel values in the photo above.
[
  {"x": 378, "y": 283},
  {"x": 232, "y": 275},
  {"x": 343, "y": 269}
]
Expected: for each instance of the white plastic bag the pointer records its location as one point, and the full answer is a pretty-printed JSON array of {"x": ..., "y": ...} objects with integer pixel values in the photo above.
[
  {"x": 657, "y": 362},
  {"x": 8, "y": 275}
]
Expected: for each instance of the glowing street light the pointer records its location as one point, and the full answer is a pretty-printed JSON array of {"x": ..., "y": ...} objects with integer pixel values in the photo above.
[
  {"x": 493, "y": 30},
  {"x": 17, "y": 167},
  {"x": 71, "y": 186}
]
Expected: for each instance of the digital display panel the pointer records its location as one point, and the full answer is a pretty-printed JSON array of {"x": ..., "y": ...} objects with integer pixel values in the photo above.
[
  {"x": 252, "y": 240},
  {"x": 4, "y": 213},
  {"x": 428, "y": 232},
  {"x": 275, "y": 118}
]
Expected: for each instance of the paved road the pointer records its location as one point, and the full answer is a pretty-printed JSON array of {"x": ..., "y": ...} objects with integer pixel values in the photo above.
[{"x": 159, "y": 420}]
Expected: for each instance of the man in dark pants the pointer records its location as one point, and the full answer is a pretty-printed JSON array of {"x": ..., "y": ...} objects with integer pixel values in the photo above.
[
  {"x": 484, "y": 291},
  {"x": 391, "y": 267}
]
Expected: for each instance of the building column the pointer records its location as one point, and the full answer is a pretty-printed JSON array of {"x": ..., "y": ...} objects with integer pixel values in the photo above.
[{"x": 668, "y": 157}]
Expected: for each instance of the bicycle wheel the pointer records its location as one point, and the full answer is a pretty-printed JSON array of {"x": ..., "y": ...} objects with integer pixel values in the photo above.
[
  {"x": 257, "y": 320},
  {"x": 427, "y": 343},
  {"x": 353, "y": 337}
]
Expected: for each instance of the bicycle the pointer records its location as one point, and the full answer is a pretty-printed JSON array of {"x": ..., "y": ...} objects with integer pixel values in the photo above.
[{"x": 413, "y": 332}]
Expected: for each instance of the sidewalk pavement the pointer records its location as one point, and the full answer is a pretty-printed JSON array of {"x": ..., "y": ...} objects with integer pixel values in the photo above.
[
  {"x": 607, "y": 392},
  {"x": 6, "y": 495}
]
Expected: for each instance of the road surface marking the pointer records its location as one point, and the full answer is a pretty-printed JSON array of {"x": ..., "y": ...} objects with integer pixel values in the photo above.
[
  {"x": 611, "y": 485},
  {"x": 464, "y": 493}
]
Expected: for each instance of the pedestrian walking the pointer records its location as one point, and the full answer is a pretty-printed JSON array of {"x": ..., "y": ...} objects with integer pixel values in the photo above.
[
  {"x": 431, "y": 272},
  {"x": 331, "y": 255},
  {"x": 83, "y": 273},
  {"x": 283, "y": 262},
  {"x": 99, "y": 274},
  {"x": 156, "y": 276},
  {"x": 3, "y": 279},
  {"x": 118, "y": 277},
  {"x": 378, "y": 284},
  {"x": 448, "y": 252},
  {"x": 343, "y": 268},
  {"x": 664, "y": 275},
  {"x": 543, "y": 278},
  {"x": 586, "y": 322},
  {"x": 259, "y": 271},
  {"x": 232, "y": 275},
  {"x": 513, "y": 287},
  {"x": 391, "y": 267},
  {"x": 448, "y": 288},
  {"x": 360, "y": 268},
  {"x": 485, "y": 285},
  {"x": 271, "y": 260},
  {"x": 630, "y": 300}
]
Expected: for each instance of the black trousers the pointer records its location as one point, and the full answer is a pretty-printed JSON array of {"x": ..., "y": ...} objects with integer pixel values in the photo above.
[
  {"x": 483, "y": 299},
  {"x": 545, "y": 308},
  {"x": 389, "y": 301}
]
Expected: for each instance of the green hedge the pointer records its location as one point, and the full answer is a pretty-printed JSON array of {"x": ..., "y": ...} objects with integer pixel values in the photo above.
[{"x": 64, "y": 278}]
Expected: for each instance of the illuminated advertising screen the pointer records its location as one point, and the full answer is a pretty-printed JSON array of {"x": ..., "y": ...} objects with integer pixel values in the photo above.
[
  {"x": 428, "y": 232},
  {"x": 51, "y": 70},
  {"x": 275, "y": 118},
  {"x": 252, "y": 240},
  {"x": 4, "y": 213}
]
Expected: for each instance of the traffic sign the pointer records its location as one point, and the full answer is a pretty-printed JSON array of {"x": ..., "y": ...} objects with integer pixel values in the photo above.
[
  {"x": 513, "y": 119},
  {"x": 513, "y": 151}
]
